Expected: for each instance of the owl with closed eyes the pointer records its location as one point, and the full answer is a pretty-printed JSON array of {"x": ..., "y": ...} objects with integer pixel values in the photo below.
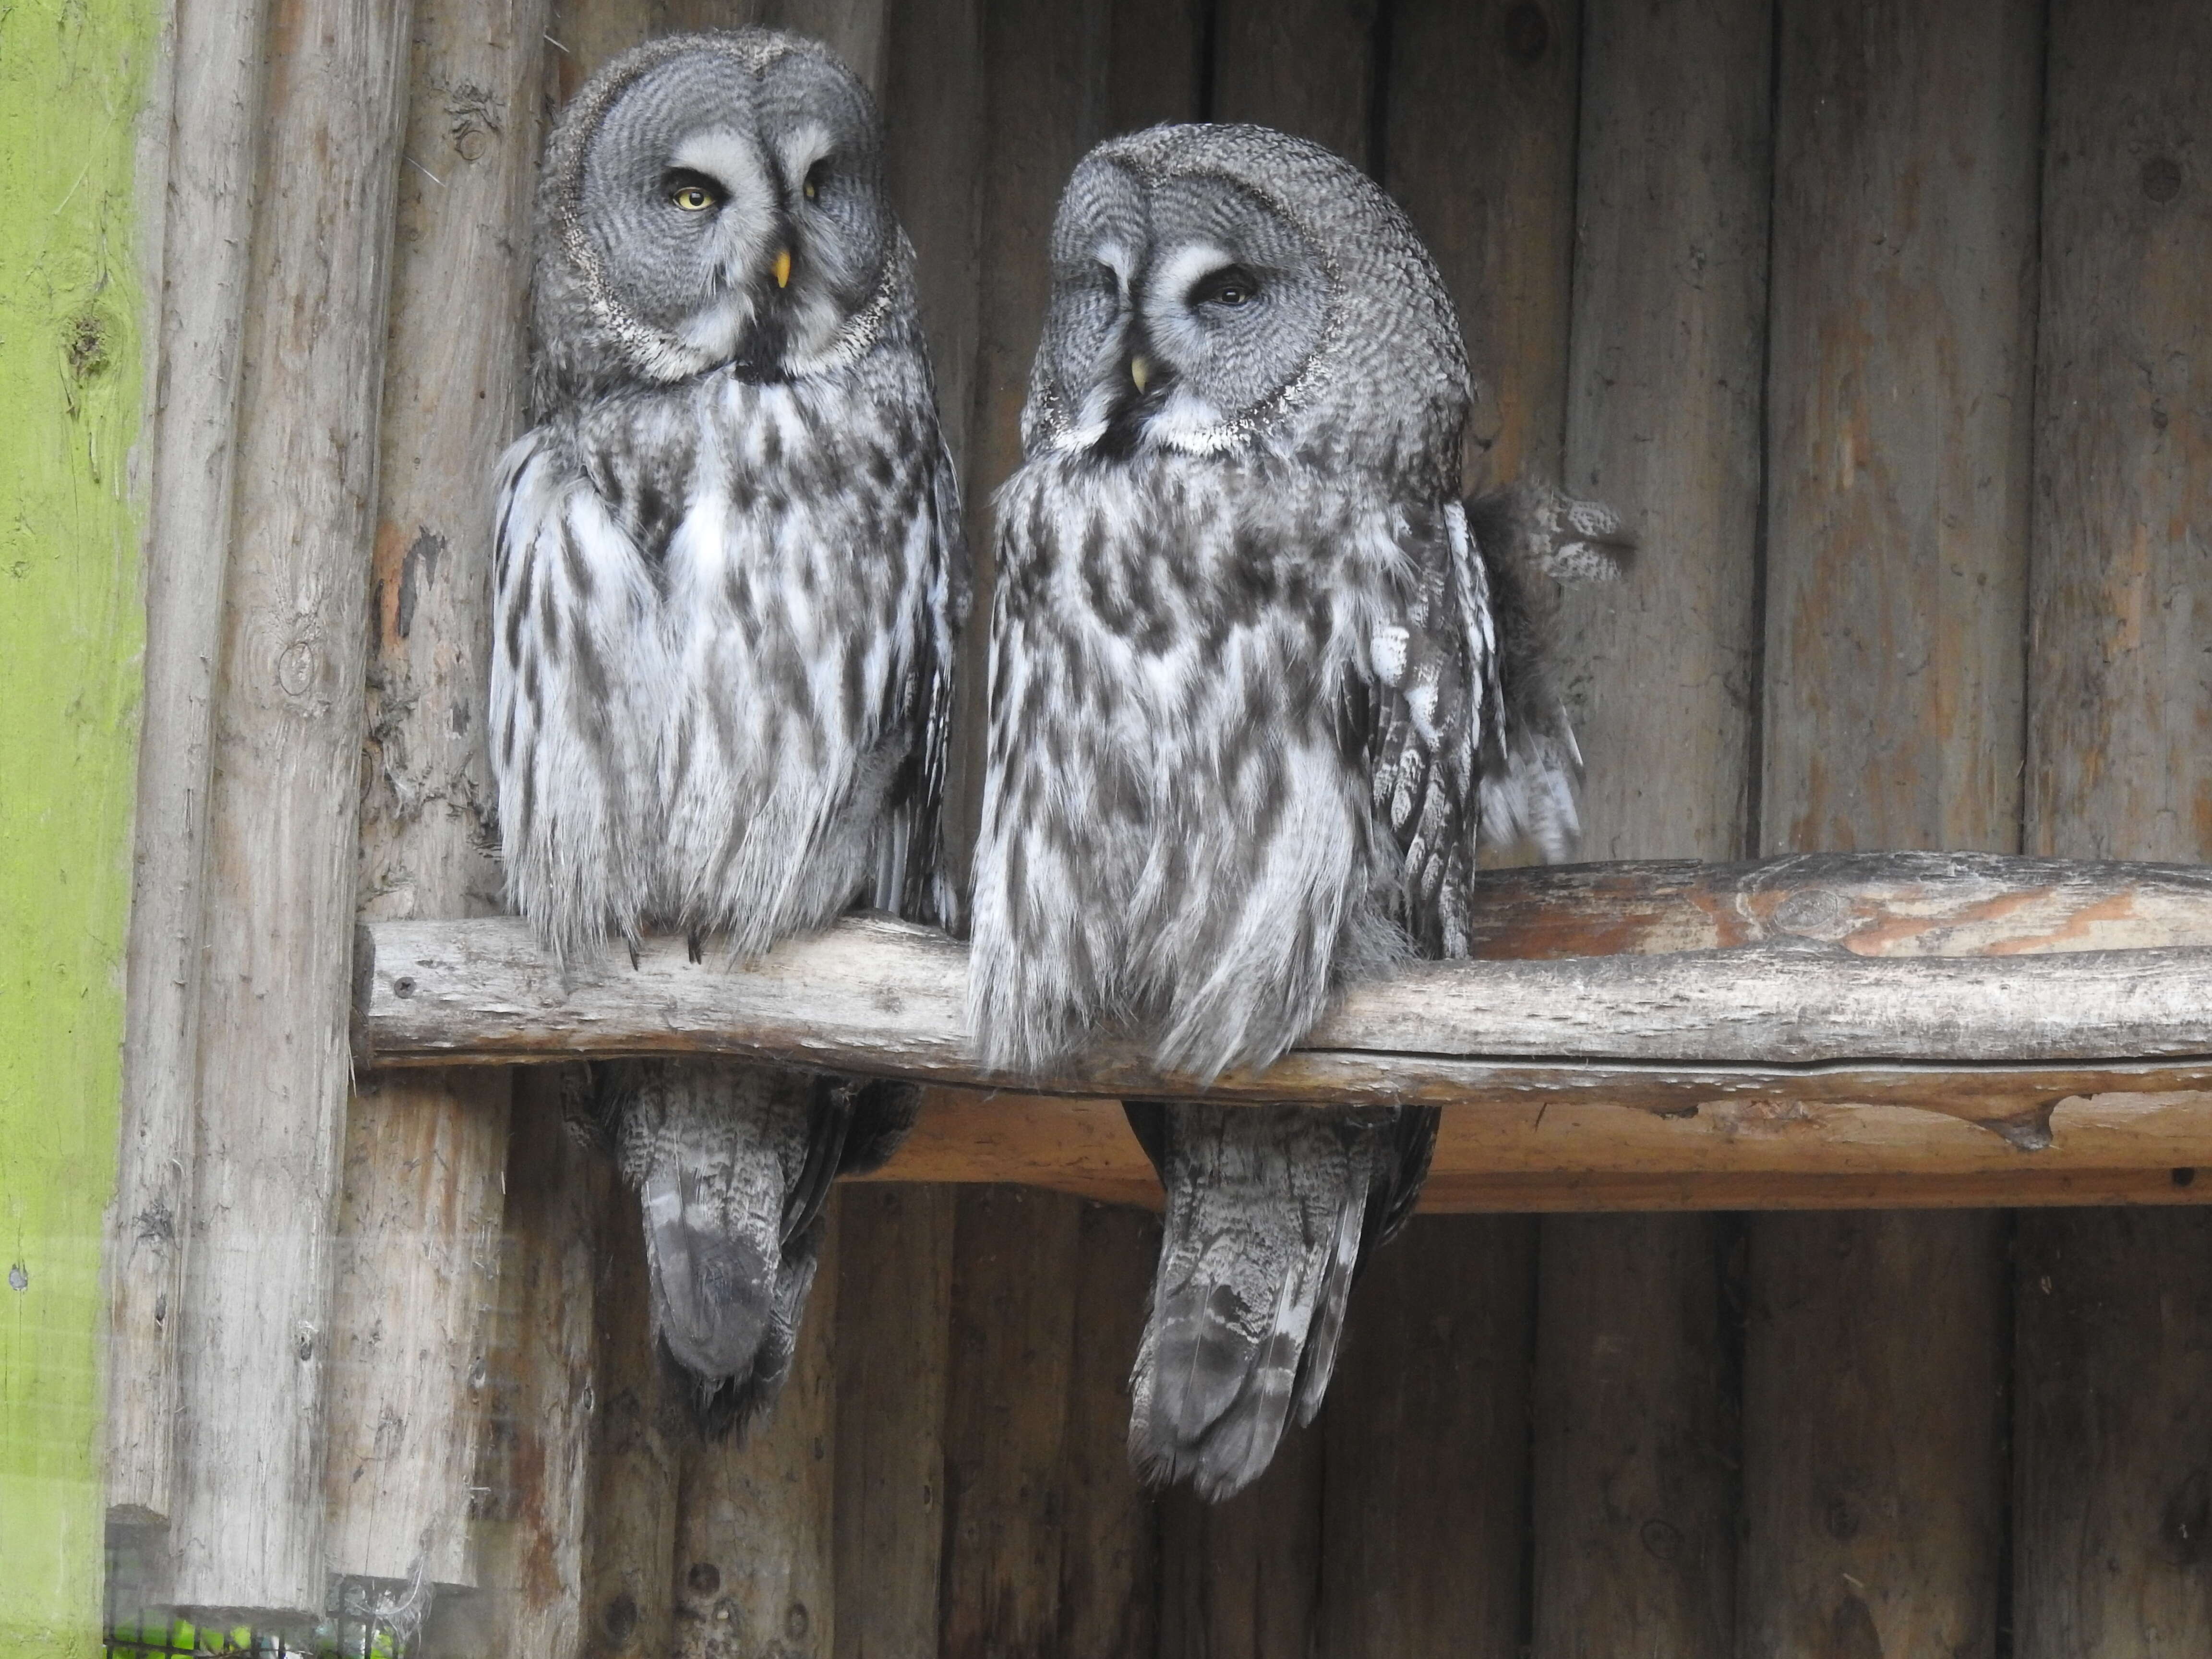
[
  {"x": 1263, "y": 686},
  {"x": 729, "y": 574}
]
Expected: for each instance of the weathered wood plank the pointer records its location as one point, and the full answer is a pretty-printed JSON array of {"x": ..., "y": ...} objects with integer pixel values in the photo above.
[
  {"x": 1084, "y": 1146},
  {"x": 425, "y": 1157},
  {"x": 2113, "y": 1494},
  {"x": 1109, "y": 1546},
  {"x": 1480, "y": 150},
  {"x": 214, "y": 131},
  {"x": 878, "y": 996},
  {"x": 1632, "y": 1510},
  {"x": 1305, "y": 66},
  {"x": 2113, "y": 1311},
  {"x": 1634, "y": 1507},
  {"x": 755, "y": 1550},
  {"x": 257, "y": 1339},
  {"x": 1663, "y": 419},
  {"x": 1427, "y": 1426},
  {"x": 1015, "y": 1263},
  {"x": 894, "y": 1343},
  {"x": 1901, "y": 339},
  {"x": 1901, "y": 335},
  {"x": 1871, "y": 1425},
  {"x": 1872, "y": 904},
  {"x": 1241, "y": 1579}
]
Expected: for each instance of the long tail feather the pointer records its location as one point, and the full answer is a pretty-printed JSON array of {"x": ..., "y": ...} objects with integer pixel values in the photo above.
[{"x": 1267, "y": 1210}]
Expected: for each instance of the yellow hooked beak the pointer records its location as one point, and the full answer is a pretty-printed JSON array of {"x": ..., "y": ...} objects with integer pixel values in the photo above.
[
  {"x": 1140, "y": 370},
  {"x": 782, "y": 267}
]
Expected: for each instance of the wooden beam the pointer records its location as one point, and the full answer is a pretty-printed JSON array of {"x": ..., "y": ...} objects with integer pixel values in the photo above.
[
  {"x": 1985, "y": 1039},
  {"x": 257, "y": 1342}
]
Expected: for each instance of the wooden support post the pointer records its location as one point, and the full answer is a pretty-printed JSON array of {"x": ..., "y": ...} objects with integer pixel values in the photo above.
[
  {"x": 2114, "y": 1311},
  {"x": 1427, "y": 1459},
  {"x": 755, "y": 1552},
  {"x": 1634, "y": 1509},
  {"x": 258, "y": 1338},
  {"x": 425, "y": 1157},
  {"x": 213, "y": 125},
  {"x": 1901, "y": 338}
]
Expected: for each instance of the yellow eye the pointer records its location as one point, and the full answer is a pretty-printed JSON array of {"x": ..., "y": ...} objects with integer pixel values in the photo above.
[
  {"x": 691, "y": 198},
  {"x": 809, "y": 190}
]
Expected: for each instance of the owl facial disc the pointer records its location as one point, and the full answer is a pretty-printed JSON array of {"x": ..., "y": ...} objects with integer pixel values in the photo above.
[{"x": 716, "y": 200}]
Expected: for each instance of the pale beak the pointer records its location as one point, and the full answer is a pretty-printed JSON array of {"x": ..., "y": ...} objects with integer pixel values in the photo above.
[
  {"x": 782, "y": 267},
  {"x": 1140, "y": 370}
]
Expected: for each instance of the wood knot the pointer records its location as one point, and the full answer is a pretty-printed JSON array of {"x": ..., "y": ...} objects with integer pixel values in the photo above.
[{"x": 2161, "y": 179}]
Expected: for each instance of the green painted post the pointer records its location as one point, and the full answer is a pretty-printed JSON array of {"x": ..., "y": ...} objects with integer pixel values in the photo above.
[{"x": 74, "y": 75}]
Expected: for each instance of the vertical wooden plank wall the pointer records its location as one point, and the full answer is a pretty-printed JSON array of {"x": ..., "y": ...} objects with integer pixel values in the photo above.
[
  {"x": 73, "y": 85},
  {"x": 2113, "y": 1484},
  {"x": 1901, "y": 329},
  {"x": 1637, "y": 1453}
]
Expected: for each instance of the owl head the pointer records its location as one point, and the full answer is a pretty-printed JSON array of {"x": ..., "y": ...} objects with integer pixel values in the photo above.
[
  {"x": 1222, "y": 288},
  {"x": 711, "y": 199}
]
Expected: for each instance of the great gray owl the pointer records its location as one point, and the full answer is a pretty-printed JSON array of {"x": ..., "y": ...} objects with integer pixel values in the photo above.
[
  {"x": 729, "y": 574},
  {"x": 1261, "y": 685}
]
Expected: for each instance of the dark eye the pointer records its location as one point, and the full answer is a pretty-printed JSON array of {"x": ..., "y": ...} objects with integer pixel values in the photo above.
[
  {"x": 817, "y": 177},
  {"x": 1234, "y": 285},
  {"x": 693, "y": 192}
]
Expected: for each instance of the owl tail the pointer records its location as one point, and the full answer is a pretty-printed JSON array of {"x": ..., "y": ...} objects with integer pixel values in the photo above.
[
  {"x": 734, "y": 1166},
  {"x": 1269, "y": 1212}
]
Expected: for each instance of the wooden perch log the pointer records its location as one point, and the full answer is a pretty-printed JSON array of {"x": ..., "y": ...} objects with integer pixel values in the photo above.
[{"x": 1827, "y": 1014}]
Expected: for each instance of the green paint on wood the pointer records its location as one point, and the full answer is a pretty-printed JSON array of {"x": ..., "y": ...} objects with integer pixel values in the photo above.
[{"x": 73, "y": 77}]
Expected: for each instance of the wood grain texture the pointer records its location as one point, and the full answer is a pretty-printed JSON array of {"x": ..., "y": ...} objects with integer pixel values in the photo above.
[
  {"x": 1901, "y": 332},
  {"x": 638, "y": 1432},
  {"x": 214, "y": 130},
  {"x": 1874, "y": 1389},
  {"x": 1559, "y": 1148},
  {"x": 1241, "y": 1579},
  {"x": 894, "y": 1342},
  {"x": 1633, "y": 1508},
  {"x": 1303, "y": 66},
  {"x": 532, "y": 1479},
  {"x": 1109, "y": 1544},
  {"x": 2113, "y": 1311},
  {"x": 1664, "y": 402},
  {"x": 1426, "y": 1478},
  {"x": 1480, "y": 152},
  {"x": 1636, "y": 1446},
  {"x": 878, "y": 996},
  {"x": 1015, "y": 1261},
  {"x": 425, "y": 1157},
  {"x": 2120, "y": 693},
  {"x": 2113, "y": 1494},
  {"x": 257, "y": 1339},
  {"x": 755, "y": 1559}
]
